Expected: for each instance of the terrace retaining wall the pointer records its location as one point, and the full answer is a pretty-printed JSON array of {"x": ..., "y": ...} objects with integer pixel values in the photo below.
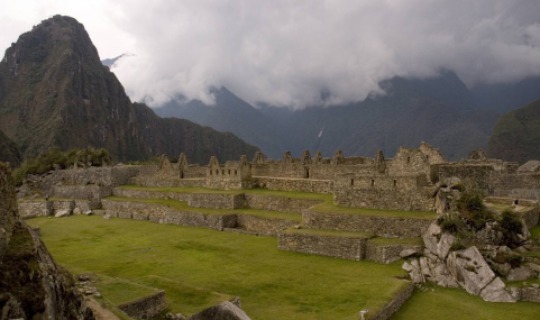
[
  {"x": 146, "y": 307},
  {"x": 385, "y": 253},
  {"x": 389, "y": 227},
  {"x": 287, "y": 184},
  {"x": 164, "y": 214},
  {"x": 344, "y": 247},
  {"x": 391, "y": 307},
  {"x": 268, "y": 226},
  {"x": 281, "y": 204},
  {"x": 34, "y": 208}
]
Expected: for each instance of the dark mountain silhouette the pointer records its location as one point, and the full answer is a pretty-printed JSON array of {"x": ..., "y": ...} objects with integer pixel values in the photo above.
[
  {"x": 54, "y": 91},
  {"x": 508, "y": 96},
  {"x": 9, "y": 151},
  {"x": 516, "y": 136}
]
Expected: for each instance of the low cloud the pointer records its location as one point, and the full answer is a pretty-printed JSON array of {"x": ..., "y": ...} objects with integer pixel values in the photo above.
[{"x": 311, "y": 52}]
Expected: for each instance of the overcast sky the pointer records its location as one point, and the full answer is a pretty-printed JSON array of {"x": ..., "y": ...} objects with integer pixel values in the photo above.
[{"x": 286, "y": 52}]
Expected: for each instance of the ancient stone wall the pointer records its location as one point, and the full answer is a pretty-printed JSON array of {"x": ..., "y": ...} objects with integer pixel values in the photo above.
[
  {"x": 344, "y": 247},
  {"x": 390, "y": 227},
  {"x": 102, "y": 176},
  {"x": 150, "y": 194},
  {"x": 196, "y": 200},
  {"x": 302, "y": 185},
  {"x": 217, "y": 200},
  {"x": 281, "y": 204},
  {"x": 34, "y": 208},
  {"x": 395, "y": 304},
  {"x": 330, "y": 171},
  {"x": 381, "y": 199},
  {"x": 164, "y": 214},
  {"x": 385, "y": 253},
  {"x": 90, "y": 192},
  {"x": 478, "y": 173},
  {"x": 146, "y": 307},
  {"x": 68, "y": 205},
  {"x": 279, "y": 169},
  {"x": 408, "y": 161},
  {"x": 267, "y": 226},
  {"x": 517, "y": 186}
]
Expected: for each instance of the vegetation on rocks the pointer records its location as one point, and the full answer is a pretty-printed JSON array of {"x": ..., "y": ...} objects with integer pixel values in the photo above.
[{"x": 54, "y": 158}]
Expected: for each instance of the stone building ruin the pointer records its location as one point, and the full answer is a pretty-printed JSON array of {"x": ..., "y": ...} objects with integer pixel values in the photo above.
[{"x": 405, "y": 182}]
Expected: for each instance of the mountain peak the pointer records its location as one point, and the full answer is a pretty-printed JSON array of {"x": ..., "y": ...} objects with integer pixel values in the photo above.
[{"x": 54, "y": 92}]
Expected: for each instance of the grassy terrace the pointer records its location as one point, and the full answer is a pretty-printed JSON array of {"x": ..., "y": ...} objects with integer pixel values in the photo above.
[
  {"x": 182, "y": 206},
  {"x": 432, "y": 302},
  {"x": 326, "y": 206},
  {"x": 199, "y": 267},
  {"x": 265, "y": 192},
  {"x": 330, "y": 233},
  {"x": 331, "y": 208}
]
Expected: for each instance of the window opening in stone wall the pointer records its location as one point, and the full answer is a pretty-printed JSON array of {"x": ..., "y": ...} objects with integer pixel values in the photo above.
[
  {"x": 223, "y": 171},
  {"x": 352, "y": 182},
  {"x": 217, "y": 172},
  {"x": 306, "y": 173},
  {"x": 235, "y": 172},
  {"x": 210, "y": 171},
  {"x": 372, "y": 183},
  {"x": 395, "y": 183},
  {"x": 229, "y": 172},
  {"x": 408, "y": 160}
]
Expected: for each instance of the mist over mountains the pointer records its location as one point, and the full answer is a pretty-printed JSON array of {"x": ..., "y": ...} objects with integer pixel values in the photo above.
[{"x": 440, "y": 110}]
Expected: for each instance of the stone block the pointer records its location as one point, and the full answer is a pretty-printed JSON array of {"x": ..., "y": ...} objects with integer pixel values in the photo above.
[
  {"x": 495, "y": 292},
  {"x": 470, "y": 269}
]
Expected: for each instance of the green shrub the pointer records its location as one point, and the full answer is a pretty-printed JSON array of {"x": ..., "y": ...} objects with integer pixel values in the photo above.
[
  {"x": 452, "y": 226},
  {"x": 515, "y": 260},
  {"x": 510, "y": 226},
  {"x": 471, "y": 207},
  {"x": 55, "y": 157}
]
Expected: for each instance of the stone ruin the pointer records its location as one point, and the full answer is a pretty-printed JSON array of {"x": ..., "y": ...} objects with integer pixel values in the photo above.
[
  {"x": 409, "y": 181},
  {"x": 418, "y": 179}
]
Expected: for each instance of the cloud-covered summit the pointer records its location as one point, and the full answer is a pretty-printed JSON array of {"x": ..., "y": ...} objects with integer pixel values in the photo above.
[{"x": 311, "y": 52}]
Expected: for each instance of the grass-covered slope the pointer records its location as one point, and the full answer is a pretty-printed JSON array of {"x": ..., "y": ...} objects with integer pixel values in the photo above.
[
  {"x": 199, "y": 267},
  {"x": 516, "y": 136}
]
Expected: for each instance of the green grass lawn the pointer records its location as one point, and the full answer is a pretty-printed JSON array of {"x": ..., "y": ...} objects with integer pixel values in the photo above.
[
  {"x": 200, "y": 267},
  {"x": 331, "y": 208},
  {"x": 438, "y": 303}
]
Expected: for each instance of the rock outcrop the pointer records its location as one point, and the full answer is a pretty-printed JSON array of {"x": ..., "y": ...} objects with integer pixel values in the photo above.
[
  {"x": 223, "y": 311},
  {"x": 32, "y": 285}
]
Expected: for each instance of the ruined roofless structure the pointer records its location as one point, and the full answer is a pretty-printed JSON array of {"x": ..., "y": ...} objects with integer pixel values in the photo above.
[{"x": 405, "y": 182}]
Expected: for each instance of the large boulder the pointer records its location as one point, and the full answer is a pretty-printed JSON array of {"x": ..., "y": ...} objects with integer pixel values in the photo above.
[
  {"x": 472, "y": 272},
  {"x": 223, "y": 311}
]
